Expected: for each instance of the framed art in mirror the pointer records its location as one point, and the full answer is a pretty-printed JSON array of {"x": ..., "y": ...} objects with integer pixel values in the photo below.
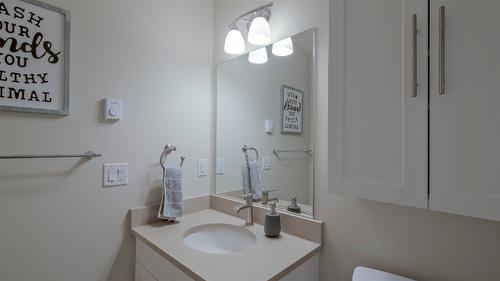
[{"x": 292, "y": 104}]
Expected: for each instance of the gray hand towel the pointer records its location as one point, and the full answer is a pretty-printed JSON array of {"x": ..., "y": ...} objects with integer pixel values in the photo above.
[
  {"x": 171, "y": 206},
  {"x": 255, "y": 185}
]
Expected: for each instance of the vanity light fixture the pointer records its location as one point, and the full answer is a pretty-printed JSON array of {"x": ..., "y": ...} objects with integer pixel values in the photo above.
[
  {"x": 235, "y": 44},
  {"x": 283, "y": 48},
  {"x": 259, "y": 32},
  {"x": 258, "y": 56}
]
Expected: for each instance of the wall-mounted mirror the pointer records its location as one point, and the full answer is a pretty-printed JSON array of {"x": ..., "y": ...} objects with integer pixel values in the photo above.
[{"x": 265, "y": 125}]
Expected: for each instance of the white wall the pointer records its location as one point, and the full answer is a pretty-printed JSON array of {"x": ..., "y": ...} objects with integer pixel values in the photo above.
[
  {"x": 247, "y": 95},
  {"x": 418, "y": 243},
  {"x": 58, "y": 221}
]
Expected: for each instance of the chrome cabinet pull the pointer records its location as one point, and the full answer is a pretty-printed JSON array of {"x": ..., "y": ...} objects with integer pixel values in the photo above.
[
  {"x": 414, "y": 57},
  {"x": 442, "y": 53}
]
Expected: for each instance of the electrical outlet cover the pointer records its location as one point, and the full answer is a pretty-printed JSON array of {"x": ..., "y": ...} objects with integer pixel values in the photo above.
[
  {"x": 220, "y": 166},
  {"x": 202, "y": 167},
  {"x": 266, "y": 163}
]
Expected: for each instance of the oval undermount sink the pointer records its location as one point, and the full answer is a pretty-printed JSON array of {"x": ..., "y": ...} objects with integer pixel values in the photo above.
[{"x": 219, "y": 238}]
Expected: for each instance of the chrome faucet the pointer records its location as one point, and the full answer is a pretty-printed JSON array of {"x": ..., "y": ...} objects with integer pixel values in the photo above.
[
  {"x": 265, "y": 197},
  {"x": 249, "y": 205}
]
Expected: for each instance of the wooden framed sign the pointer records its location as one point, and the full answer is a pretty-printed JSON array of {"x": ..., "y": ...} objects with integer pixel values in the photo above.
[
  {"x": 292, "y": 107},
  {"x": 34, "y": 57}
]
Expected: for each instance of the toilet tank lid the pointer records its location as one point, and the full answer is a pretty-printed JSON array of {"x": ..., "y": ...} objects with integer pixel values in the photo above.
[{"x": 362, "y": 273}]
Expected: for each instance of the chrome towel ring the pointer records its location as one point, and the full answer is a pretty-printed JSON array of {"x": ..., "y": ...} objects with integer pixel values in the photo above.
[
  {"x": 246, "y": 148},
  {"x": 169, "y": 148}
]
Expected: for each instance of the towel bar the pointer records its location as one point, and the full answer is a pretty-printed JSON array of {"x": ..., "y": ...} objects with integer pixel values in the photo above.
[
  {"x": 307, "y": 152},
  {"x": 87, "y": 155}
]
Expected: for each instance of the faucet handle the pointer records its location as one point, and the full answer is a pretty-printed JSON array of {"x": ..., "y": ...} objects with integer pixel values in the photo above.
[
  {"x": 248, "y": 198},
  {"x": 246, "y": 195},
  {"x": 266, "y": 192}
]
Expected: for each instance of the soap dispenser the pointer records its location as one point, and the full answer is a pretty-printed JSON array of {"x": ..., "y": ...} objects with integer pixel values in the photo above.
[
  {"x": 272, "y": 223},
  {"x": 294, "y": 207}
]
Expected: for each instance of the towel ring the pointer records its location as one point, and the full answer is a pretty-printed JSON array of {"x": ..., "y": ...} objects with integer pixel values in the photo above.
[
  {"x": 246, "y": 148},
  {"x": 169, "y": 148}
]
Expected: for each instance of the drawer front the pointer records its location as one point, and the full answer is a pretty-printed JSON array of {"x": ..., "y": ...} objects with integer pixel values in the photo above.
[
  {"x": 141, "y": 274},
  {"x": 158, "y": 266},
  {"x": 309, "y": 270}
]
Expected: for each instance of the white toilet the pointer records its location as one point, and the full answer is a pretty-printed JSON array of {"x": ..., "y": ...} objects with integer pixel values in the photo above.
[{"x": 362, "y": 273}]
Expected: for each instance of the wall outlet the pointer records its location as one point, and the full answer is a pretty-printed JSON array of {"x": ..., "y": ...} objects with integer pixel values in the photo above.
[
  {"x": 219, "y": 166},
  {"x": 115, "y": 174},
  {"x": 266, "y": 163},
  {"x": 202, "y": 167},
  {"x": 269, "y": 126}
]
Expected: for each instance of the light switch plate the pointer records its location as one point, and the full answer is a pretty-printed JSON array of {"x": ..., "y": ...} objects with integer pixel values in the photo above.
[
  {"x": 115, "y": 174},
  {"x": 202, "y": 167},
  {"x": 220, "y": 166},
  {"x": 266, "y": 163}
]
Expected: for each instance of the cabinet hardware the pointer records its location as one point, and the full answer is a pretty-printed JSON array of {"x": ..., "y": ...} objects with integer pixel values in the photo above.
[
  {"x": 442, "y": 53},
  {"x": 414, "y": 57}
]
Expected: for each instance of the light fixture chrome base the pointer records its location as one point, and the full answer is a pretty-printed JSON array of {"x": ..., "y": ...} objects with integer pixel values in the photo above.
[{"x": 262, "y": 11}]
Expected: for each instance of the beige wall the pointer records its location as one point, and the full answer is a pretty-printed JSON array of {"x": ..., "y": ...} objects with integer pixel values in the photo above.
[
  {"x": 418, "y": 243},
  {"x": 59, "y": 223}
]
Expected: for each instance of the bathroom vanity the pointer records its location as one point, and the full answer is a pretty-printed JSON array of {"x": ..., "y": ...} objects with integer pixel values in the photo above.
[{"x": 164, "y": 252}]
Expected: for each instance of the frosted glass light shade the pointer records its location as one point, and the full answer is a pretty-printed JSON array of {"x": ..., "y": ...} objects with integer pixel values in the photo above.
[
  {"x": 258, "y": 56},
  {"x": 259, "y": 32},
  {"x": 235, "y": 44},
  {"x": 283, "y": 48}
]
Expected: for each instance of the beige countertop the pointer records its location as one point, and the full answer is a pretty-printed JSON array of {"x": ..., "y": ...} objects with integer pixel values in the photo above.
[{"x": 267, "y": 259}]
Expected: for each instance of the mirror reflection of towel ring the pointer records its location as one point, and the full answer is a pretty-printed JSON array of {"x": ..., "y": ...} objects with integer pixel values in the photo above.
[{"x": 246, "y": 148}]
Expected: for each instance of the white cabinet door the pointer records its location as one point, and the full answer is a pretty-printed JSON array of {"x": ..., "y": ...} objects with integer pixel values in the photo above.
[
  {"x": 378, "y": 131},
  {"x": 465, "y": 120}
]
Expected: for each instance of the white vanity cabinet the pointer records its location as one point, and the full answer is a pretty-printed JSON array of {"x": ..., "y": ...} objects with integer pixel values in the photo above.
[
  {"x": 437, "y": 147},
  {"x": 150, "y": 266}
]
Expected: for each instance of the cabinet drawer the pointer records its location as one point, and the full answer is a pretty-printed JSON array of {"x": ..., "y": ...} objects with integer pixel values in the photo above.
[
  {"x": 142, "y": 274},
  {"x": 158, "y": 266}
]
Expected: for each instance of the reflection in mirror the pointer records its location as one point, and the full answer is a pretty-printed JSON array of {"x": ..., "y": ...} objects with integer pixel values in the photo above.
[{"x": 265, "y": 126}]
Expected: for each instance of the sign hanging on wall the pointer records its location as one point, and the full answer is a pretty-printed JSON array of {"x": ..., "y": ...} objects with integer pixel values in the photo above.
[
  {"x": 292, "y": 106},
  {"x": 34, "y": 57}
]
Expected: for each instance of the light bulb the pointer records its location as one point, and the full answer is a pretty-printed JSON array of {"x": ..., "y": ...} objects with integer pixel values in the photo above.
[
  {"x": 258, "y": 56},
  {"x": 283, "y": 48},
  {"x": 259, "y": 32},
  {"x": 235, "y": 44}
]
